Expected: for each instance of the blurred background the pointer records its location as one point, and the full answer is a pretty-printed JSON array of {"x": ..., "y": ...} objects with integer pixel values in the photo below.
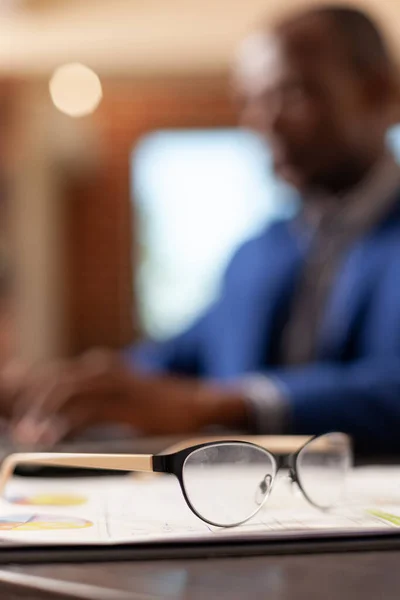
[{"x": 125, "y": 183}]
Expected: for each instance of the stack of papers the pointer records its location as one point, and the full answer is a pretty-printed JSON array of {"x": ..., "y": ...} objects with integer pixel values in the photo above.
[{"x": 140, "y": 509}]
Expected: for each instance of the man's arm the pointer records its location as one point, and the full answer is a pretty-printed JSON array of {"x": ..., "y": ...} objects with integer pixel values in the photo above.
[{"x": 362, "y": 399}]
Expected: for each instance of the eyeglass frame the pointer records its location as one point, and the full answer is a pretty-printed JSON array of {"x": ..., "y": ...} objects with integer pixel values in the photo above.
[
  {"x": 174, "y": 464},
  {"x": 171, "y": 464}
]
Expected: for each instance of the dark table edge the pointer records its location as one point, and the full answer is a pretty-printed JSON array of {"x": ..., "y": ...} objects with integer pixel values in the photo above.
[{"x": 382, "y": 541}]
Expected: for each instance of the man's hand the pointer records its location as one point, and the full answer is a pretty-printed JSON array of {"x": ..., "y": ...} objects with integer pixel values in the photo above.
[
  {"x": 58, "y": 399},
  {"x": 13, "y": 378},
  {"x": 99, "y": 388}
]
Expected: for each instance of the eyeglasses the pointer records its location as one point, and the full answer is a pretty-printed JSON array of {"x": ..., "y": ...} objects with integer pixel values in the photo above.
[{"x": 224, "y": 483}]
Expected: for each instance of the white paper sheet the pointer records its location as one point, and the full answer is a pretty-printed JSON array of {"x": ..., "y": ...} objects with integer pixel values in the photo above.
[{"x": 142, "y": 508}]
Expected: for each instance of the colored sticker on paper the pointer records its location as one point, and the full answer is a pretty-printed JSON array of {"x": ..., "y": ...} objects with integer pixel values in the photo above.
[
  {"x": 48, "y": 500},
  {"x": 41, "y": 523}
]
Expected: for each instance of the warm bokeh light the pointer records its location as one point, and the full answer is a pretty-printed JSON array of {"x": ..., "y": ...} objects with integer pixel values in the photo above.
[{"x": 75, "y": 90}]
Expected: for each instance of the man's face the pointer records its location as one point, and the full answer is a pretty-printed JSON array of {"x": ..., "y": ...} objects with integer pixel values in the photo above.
[{"x": 297, "y": 90}]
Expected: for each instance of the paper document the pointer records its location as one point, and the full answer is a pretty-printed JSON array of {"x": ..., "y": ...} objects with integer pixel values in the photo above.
[{"x": 144, "y": 508}]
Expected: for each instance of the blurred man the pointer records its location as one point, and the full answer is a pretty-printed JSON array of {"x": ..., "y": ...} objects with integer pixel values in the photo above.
[{"x": 305, "y": 337}]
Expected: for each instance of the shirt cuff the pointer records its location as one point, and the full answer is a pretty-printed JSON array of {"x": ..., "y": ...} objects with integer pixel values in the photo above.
[{"x": 268, "y": 408}]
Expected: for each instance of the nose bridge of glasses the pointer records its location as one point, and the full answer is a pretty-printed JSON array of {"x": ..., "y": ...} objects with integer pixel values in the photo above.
[{"x": 285, "y": 461}]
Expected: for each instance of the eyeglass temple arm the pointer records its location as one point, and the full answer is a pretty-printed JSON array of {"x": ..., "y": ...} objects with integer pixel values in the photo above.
[{"x": 117, "y": 462}]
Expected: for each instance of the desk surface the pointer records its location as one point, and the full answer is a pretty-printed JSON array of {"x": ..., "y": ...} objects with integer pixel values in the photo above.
[
  {"x": 333, "y": 577},
  {"x": 347, "y": 576}
]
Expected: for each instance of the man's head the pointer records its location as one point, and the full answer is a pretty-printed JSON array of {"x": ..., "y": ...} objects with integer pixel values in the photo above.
[{"x": 320, "y": 87}]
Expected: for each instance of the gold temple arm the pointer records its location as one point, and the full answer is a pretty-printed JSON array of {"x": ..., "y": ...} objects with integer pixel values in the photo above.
[
  {"x": 118, "y": 462},
  {"x": 279, "y": 444}
]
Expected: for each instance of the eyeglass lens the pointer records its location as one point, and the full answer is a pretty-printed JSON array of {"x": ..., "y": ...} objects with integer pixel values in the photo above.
[
  {"x": 227, "y": 484},
  {"x": 322, "y": 466}
]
